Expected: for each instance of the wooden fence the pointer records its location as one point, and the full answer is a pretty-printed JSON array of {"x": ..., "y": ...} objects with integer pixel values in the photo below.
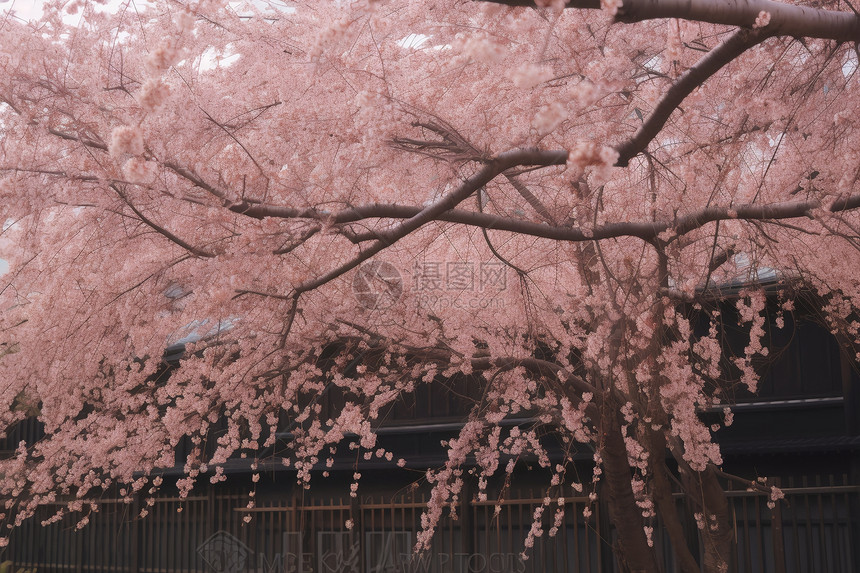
[{"x": 816, "y": 528}]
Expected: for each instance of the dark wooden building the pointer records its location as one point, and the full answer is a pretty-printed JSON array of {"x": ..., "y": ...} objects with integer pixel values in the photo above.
[{"x": 802, "y": 431}]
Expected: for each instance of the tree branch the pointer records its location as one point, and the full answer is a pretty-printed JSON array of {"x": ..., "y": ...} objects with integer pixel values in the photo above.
[
  {"x": 526, "y": 194},
  {"x": 487, "y": 173},
  {"x": 161, "y": 230},
  {"x": 722, "y": 54},
  {"x": 785, "y": 19},
  {"x": 645, "y": 230}
]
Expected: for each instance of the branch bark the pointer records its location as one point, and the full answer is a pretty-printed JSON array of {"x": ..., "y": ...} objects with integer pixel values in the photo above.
[
  {"x": 785, "y": 19},
  {"x": 645, "y": 230},
  {"x": 722, "y": 54},
  {"x": 665, "y": 503},
  {"x": 487, "y": 173},
  {"x": 623, "y": 511}
]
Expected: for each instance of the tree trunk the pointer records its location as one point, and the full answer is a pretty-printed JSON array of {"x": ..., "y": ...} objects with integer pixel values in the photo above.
[
  {"x": 665, "y": 503},
  {"x": 632, "y": 550},
  {"x": 708, "y": 497}
]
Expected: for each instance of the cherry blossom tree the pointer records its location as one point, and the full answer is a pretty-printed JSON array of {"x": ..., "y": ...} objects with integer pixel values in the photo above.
[{"x": 295, "y": 180}]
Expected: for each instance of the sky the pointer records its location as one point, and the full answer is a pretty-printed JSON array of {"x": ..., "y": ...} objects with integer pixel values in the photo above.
[
  {"x": 32, "y": 9},
  {"x": 24, "y": 9}
]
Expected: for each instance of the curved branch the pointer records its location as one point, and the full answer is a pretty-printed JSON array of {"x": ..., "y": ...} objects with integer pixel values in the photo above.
[
  {"x": 487, "y": 173},
  {"x": 785, "y": 19},
  {"x": 444, "y": 210},
  {"x": 645, "y": 230},
  {"x": 161, "y": 230},
  {"x": 722, "y": 54}
]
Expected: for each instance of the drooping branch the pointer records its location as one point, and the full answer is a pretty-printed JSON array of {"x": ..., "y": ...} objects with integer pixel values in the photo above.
[
  {"x": 161, "y": 230},
  {"x": 541, "y": 368},
  {"x": 722, "y": 54}
]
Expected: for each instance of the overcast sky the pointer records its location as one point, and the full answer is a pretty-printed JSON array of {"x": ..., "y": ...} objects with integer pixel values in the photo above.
[{"x": 24, "y": 9}]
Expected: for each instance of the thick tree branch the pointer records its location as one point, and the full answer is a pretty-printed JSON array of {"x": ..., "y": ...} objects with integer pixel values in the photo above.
[
  {"x": 646, "y": 230},
  {"x": 785, "y": 19},
  {"x": 722, "y": 54},
  {"x": 418, "y": 216},
  {"x": 526, "y": 194},
  {"x": 487, "y": 173},
  {"x": 665, "y": 503}
]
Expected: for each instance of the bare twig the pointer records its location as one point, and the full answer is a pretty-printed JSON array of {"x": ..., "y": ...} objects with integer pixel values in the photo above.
[{"x": 161, "y": 230}]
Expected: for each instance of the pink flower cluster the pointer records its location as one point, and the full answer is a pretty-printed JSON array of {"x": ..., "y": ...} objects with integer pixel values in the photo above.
[{"x": 126, "y": 139}]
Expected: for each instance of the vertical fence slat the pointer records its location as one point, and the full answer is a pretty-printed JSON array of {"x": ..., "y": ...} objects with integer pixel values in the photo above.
[{"x": 810, "y": 531}]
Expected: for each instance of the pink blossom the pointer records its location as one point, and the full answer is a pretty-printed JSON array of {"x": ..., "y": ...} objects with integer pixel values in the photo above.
[
  {"x": 153, "y": 94},
  {"x": 586, "y": 512},
  {"x": 587, "y": 153},
  {"x": 530, "y": 75},
  {"x": 611, "y": 6},
  {"x": 164, "y": 55},
  {"x": 138, "y": 170},
  {"x": 762, "y": 20},
  {"x": 126, "y": 139},
  {"x": 262, "y": 188},
  {"x": 549, "y": 117}
]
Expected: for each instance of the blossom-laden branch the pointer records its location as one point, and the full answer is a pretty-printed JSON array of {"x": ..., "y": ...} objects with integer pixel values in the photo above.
[
  {"x": 785, "y": 19},
  {"x": 711, "y": 63},
  {"x": 757, "y": 20},
  {"x": 161, "y": 230},
  {"x": 495, "y": 167},
  {"x": 572, "y": 385},
  {"x": 491, "y": 169},
  {"x": 444, "y": 211},
  {"x": 418, "y": 216}
]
